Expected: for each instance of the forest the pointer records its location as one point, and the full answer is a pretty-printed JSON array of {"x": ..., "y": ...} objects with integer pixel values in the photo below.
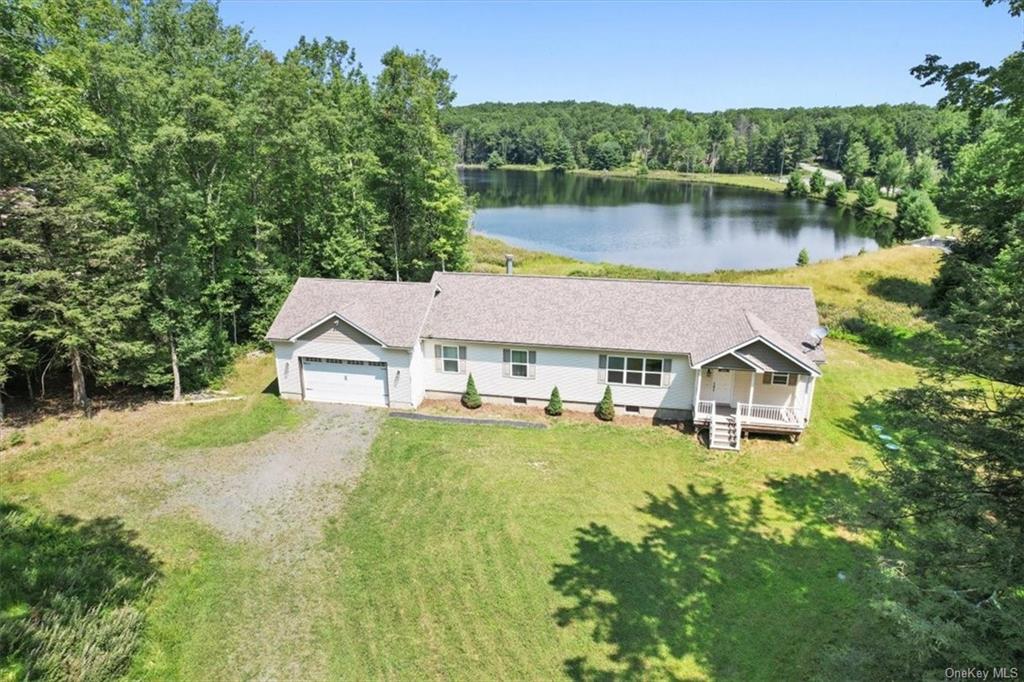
[
  {"x": 856, "y": 140},
  {"x": 164, "y": 179}
]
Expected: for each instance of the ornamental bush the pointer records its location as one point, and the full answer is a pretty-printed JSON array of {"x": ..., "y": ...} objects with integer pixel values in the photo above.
[
  {"x": 606, "y": 408},
  {"x": 803, "y": 258},
  {"x": 835, "y": 194},
  {"x": 554, "y": 407},
  {"x": 471, "y": 398}
]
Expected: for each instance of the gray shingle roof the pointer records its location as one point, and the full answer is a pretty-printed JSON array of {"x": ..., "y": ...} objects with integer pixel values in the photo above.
[
  {"x": 393, "y": 312},
  {"x": 698, "y": 319}
]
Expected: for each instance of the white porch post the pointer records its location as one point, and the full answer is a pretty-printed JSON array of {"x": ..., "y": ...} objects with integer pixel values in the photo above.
[
  {"x": 750, "y": 398},
  {"x": 810, "y": 399},
  {"x": 696, "y": 391}
]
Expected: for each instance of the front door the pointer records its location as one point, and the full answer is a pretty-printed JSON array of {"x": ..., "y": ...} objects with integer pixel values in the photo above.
[{"x": 721, "y": 386}]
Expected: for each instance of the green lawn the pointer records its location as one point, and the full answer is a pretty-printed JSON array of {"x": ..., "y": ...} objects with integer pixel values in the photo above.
[{"x": 467, "y": 552}]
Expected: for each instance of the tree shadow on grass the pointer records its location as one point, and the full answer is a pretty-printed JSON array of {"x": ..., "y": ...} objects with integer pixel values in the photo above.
[
  {"x": 71, "y": 595},
  {"x": 902, "y": 290},
  {"x": 713, "y": 578}
]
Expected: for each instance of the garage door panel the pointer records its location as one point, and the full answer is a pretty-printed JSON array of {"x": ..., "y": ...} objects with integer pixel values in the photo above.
[{"x": 345, "y": 381}]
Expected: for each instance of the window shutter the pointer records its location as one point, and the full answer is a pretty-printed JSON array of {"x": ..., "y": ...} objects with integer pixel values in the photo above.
[
  {"x": 666, "y": 371},
  {"x": 793, "y": 379},
  {"x": 766, "y": 378},
  {"x": 531, "y": 368},
  {"x": 602, "y": 366},
  {"x": 437, "y": 357},
  {"x": 462, "y": 359},
  {"x": 506, "y": 360}
]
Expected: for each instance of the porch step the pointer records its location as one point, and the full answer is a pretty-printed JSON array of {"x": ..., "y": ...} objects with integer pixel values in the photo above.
[{"x": 723, "y": 434}]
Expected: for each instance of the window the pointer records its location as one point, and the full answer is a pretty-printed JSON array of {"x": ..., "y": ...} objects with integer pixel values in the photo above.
[
  {"x": 518, "y": 363},
  {"x": 450, "y": 359},
  {"x": 780, "y": 379},
  {"x": 631, "y": 371}
]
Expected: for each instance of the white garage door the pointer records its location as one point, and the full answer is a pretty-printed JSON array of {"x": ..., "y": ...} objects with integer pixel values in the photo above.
[{"x": 345, "y": 381}]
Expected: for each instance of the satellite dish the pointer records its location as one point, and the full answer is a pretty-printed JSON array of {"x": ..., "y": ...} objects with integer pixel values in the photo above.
[{"x": 818, "y": 334}]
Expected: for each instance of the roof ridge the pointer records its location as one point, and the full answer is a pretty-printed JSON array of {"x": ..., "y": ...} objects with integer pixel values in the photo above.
[
  {"x": 361, "y": 281},
  {"x": 630, "y": 279}
]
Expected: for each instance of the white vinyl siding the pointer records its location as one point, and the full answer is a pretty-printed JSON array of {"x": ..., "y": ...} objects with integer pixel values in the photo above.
[
  {"x": 574, "y": 371},
  {"x": 400, "y": 380}
]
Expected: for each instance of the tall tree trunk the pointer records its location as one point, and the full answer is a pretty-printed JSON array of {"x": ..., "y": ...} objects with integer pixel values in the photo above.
[
  {"x": 174, "y": 370},
  {"x": 78, "y": 379}
]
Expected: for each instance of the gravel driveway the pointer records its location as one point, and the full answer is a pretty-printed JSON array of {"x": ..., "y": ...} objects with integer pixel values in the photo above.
[{"x": 280, "y": 488}]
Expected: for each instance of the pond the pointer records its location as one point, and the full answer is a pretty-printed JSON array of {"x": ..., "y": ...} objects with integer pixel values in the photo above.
[{"x": 684, "y": 227}]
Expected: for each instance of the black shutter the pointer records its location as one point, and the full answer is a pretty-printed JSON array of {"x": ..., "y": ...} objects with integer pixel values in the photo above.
[
  {"x": 602, "y": 367},
  {"x": 462, "y": 359},
  {"x": 531, "y": 367},
  {"x": 666, "y": 371},
  {"x": 437, "y": 357},
  {"x": 506, "y": 360},
  {"x": 792, "y": 379}
]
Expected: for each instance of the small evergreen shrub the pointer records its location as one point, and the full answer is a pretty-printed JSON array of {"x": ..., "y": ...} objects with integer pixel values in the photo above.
[
  {"x": 867, "y": 193},
  {"x": 803, "y": 258},
  {"x": 471, "y": 398},
  {"x": 916, "y": 215},
  {"x": 554, "y": 406},
  {"x": 795, "y": 185},
  {"x": 606, "y": 408},
  {"x": 835, "y": 194},
  {"x": 817, "y": 182}
]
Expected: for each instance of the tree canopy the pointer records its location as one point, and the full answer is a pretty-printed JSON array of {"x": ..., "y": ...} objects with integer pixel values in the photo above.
[{"x": 164, "y": 180}]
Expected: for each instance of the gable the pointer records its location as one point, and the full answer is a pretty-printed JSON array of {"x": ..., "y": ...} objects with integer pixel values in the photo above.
[
  {"x": 337, "y": 331},
  {"x": 764, "y": 357},
  {"x": 730, "y": 361}
]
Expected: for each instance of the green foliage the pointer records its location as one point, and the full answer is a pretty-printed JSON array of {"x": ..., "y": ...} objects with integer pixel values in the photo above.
[
  {"x": 867, "y": 193},
  {"x": 856, "y": 162},
  {"x": 494, "y": 160},
  {"x": 554, "y": 406},
  {"x": 835, "y": 194},
  {"x": 72, "y": 596},
  {"x": 605, "y": 410},
  {"x": 892, "y": 170},
  {"x": 471, "y": 398},
  {"x": 795, "y": 186},
  {"x": 753, "y": 141},
  {"x": 166, "y": 179},
  {"x": 560, "y": 154},
  {"x": 803, "y": 258},
  {"x": 817, "y": 182},
  {"x": 916, "y": 215},
  {"x": 924, "y": 173},
  {"x": 604, "y": 152}
]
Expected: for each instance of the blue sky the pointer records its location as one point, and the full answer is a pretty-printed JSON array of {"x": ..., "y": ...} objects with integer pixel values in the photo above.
[{"x": 700, "y": 56}]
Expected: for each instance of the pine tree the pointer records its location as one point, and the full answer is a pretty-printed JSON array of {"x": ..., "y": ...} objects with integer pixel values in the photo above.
[
  {"x": 471, "y": 398},
  {"x": 803, "y": 258},
  {"x": 817, "y": 182},
  {"x": 554, "y": 406},
  {"x": 795, "y": 185},
  {"x": 606, "y": 408},
  {"x": 867, "y": 193}
]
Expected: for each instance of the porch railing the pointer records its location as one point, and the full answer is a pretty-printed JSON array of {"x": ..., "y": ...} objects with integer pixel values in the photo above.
[
  {"x": 752, "y": 412},
  {"x": 705, "y": 409}
]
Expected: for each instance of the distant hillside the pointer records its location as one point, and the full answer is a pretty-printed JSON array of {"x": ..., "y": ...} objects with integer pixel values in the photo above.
[{"x": 601, "y": 136}]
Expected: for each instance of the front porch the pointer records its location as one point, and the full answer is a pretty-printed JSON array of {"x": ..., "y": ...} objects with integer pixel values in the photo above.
[{"x": 732, "y": 402}]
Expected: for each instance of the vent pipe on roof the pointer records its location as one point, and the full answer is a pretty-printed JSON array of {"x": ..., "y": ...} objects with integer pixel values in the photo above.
[{"x": 508, "y": 263}]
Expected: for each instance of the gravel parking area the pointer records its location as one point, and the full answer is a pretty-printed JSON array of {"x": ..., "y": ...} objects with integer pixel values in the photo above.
[{"x": 280, "y": 488}]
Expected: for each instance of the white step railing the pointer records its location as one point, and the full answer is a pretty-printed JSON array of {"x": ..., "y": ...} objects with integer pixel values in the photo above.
[
  {"x": 777, "y": 414},
  {"x": 705, "y": 409}
]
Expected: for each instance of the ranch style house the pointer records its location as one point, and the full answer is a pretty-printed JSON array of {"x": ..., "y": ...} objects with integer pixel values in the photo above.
[{"x": 732, "y": 358}]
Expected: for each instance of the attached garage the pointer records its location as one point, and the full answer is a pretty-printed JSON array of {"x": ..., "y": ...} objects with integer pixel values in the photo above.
[{"x": 357, "y": 382}]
